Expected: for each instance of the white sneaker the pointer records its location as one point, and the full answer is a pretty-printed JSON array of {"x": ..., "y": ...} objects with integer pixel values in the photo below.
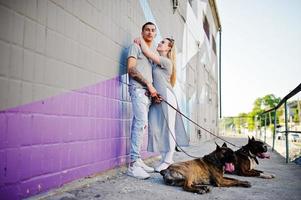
[
  {"x": 137, "y": 171},
  {"x": 162, "y": 166},
  {"x": 144, "y": 166}
]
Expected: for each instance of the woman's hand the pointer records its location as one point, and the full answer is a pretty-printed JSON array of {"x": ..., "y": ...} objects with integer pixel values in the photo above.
[
  {"x": 156, "y": 98},
  {"x": 146, "y": 50},
  {"x": 137, "y": 41}
]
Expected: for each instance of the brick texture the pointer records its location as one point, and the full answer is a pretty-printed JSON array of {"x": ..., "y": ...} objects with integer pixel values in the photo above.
[{"x": 64, "y": 111}]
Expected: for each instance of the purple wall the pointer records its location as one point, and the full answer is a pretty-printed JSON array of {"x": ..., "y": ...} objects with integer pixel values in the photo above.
[{"x": 56, "y": 140}]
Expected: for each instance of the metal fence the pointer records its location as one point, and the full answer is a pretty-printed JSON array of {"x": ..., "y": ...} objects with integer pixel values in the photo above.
[{"x": 286, "y": 130}]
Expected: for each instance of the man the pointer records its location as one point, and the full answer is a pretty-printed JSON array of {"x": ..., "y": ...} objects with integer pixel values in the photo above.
[{"x": 140, "y": 73}]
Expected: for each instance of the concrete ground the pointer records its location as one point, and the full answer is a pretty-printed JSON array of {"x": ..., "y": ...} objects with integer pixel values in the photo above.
[{"x": 116, "y": 185}]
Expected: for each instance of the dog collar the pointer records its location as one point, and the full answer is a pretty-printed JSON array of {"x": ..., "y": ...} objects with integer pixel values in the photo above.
[{"x": 253, "y": 156}]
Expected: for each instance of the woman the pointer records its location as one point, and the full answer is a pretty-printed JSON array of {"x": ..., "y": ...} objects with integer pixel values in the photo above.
[{"x": 165, "y": 124}]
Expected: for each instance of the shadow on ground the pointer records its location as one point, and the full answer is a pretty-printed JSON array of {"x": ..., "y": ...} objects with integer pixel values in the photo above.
[{"x": 115, "y": 185}]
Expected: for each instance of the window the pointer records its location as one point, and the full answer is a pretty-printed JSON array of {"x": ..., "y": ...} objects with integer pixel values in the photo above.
[
  {"x": 213, "y": 44},
  {"x": 206, "y": 27}
]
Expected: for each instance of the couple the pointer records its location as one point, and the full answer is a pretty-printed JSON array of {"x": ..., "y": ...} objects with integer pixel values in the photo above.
[{"x": 153, "y": 73}]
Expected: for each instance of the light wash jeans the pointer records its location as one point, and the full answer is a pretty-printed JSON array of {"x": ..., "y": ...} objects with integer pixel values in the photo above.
[{"x": 140, "y": 107}]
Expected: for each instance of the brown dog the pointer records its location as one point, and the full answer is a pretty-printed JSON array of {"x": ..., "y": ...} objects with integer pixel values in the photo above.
[
  {"x": 246, "y": 159},
  {"x": 195, "y": 175}
]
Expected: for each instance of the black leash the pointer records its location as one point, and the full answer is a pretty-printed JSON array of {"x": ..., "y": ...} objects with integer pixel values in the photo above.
[
  {"x": 188, "y": 120},
  {"x": 173, "y": 137},
  {"x": 177, "y": 145},
  {"x": 198, "y": 124}
]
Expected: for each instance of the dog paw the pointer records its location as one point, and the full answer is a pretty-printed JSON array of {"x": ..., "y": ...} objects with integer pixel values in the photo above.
[
  {"x": 267, "y": 176},
  {"x": 208, "y": 189},
  {"x": 201, "y": 192},
  {"x": 202, "y": 189},
  {"x": 245, "y": 184}
]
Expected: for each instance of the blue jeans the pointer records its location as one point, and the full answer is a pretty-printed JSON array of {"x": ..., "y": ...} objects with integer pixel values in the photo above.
[{"x": 140, "y": 107}]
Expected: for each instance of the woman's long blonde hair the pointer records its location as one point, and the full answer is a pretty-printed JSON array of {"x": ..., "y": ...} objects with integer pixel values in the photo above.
[{"x": 172, "y": 56}]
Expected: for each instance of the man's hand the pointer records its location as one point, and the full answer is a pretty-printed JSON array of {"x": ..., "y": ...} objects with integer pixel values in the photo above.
[{"x": 152, "y": 90}]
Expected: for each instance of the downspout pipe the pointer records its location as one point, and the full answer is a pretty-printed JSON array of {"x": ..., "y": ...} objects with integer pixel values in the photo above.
[{"x": 220, "y": 72}]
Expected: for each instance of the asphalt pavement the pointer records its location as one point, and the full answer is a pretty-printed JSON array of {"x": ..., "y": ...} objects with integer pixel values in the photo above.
[{"x": 116, "y": 185}]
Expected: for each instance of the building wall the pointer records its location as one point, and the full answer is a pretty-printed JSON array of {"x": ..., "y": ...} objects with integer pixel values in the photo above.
[
  {"x": 199, "y": 80},
  {"x": 65, "y": 111}
]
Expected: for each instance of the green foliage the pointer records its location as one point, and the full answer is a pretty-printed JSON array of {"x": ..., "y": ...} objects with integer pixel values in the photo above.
[
  {"x": 228, "y": 122},
  {"x": 295, "y": 109},
  {"x": 296, "y": 117},
  {"x": 270, "y": 101},
  {"x": 254, "y": 119},
  {"x": 240, "y": 122},
  {"x": 251, "y": 121},
  {"x": 266, "y": 103}
]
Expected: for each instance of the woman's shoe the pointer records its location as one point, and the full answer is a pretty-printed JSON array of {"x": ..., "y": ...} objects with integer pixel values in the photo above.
[{"x": 162, "y": 166}]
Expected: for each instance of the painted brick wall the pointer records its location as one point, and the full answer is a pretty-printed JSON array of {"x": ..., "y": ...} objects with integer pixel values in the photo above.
[
  {"x": 64, "y": 111},
  {"x": 50, "y": 142},
  {"x": 64, "y": 114}
]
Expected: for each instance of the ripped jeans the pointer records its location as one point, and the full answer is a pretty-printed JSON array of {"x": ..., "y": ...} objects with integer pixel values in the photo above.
[{"x": 140, "y": 107}]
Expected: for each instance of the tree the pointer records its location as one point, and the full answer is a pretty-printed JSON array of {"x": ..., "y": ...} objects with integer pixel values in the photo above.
[
  {"x": 241, "y": 122},
  {"x": 270, "y": 101},
  {"x": 254, "y": 114},
  {"x": 251, "y": 121},
  {"x": 262, "y": 104},
  {"x": 248, "y": 120},
  {"x": 228, "y": 122}
]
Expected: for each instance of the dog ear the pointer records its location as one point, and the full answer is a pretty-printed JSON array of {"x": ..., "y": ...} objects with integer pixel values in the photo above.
[
  {"x": 224, "y": 145},
  {"x": 253, "y": 138},
  {"x": 217, "y": 147}
]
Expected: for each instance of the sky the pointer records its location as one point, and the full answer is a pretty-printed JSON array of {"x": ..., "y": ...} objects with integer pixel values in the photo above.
[{"x": 261, "y": 51}]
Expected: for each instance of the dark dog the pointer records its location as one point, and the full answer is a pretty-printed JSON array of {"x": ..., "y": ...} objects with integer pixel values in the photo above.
[
  {"x": 246, "y": 159},
  {"x": 195, "y": 175}
]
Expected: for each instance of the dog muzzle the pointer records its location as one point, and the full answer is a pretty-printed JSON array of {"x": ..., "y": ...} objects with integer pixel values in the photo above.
[{"x": 263, "y": 155}]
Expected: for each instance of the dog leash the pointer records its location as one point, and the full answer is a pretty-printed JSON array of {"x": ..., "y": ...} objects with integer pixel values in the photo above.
[
  {"x": 177, "y": 145},
  {"x": 177, "y": 110},
  {"x": 173, "y": 137},
  {"x": 198, "y": 124}
]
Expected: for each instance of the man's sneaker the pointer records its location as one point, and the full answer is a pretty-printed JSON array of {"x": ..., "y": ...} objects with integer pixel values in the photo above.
[
  {"x": 137, "y": 171},
  {"x": 144, "y": 166}
]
